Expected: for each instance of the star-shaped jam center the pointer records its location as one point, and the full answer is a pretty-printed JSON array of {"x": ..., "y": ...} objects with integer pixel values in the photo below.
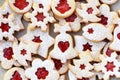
[
  {"x": 16, "y": 76},
  {"x": 110, "y": 66},
  {"x": 71, "y": 18},
  {"x": 5, "y": 27},
  {"x": 82, "y": 66},
  {"x": 23, "y": 52},
  {"x": 40, "y": 17},
  {"x": 87, "y": 46},
  {"x": 103, "y": 20},
  {"x": 90, "y": 10},
  {"x": 90, "y": 31},
  {"x": 37, "y": 39},
  {"x": 41, "y": 73}
]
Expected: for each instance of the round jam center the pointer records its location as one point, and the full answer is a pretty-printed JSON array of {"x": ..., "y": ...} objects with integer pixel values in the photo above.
[
  {"x": 8, "y": 52},
  {"x": 40, "y": 16},
  {"x": 16, "y": 76},
  {"x": 37, "y": 39},
  {"x": 41, "y": 73},
  {"x": 63, "y": 45},
  {"x": 57, "y": 63},
  {"x": 62, "y": 7},
  {"x": 89, "y": 10},
  {"x": 71, "y": 18},
  {"x": 4, "y": 27},
  {"x": 87, "y": 46},
  {"x": 110, "y": 66},
  {"x": 21, "y": 4}
]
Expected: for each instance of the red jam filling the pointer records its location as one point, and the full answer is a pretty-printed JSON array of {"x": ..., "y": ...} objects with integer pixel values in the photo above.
[
  {"x": 103, "y": 20},
  {"x": 71, "y": 18},
  {"x": 83, "y": 79},
  {"x": 41, "y": 6},
  {"x": 109, "y": 52},
  {"x": 23, "y": 52},
  {"x": 118, "y": 36},
  {"x": 110, "y": 66},
  {"x": 90, "y": 31},
  {"x": 82, "y": 66},
  {"x": 37, "y": 39},
  {"x": 40, "y": 16},
  {"x": 63, "y": 6},
  {"x": 16, "y": 76},
  {"x": 21, "y": 4},
  {"x": 5, "y": 15},
  {"x": 41, "y": 73},
  {"x": 90, "y": 10},
  {"x": 63, "y": 45},
  {"x": 8, "y": 52},
  {"x": 87, "y": 46},
  {"x": 57, "y": 63},
  {"x": 5, "y": 27}
]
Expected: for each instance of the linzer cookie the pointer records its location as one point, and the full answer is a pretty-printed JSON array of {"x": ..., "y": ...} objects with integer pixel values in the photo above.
[
  {"x": 63, "y": 47},
  {"x": 63, "y": 8},
  {"x": 42, "y": 70},
  {"x": 20, "y": 6},
  {"x": 110, "y": 2}
]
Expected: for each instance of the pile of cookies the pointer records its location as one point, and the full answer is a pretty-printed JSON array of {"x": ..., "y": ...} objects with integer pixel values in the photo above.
[{"x": 92, "y": 55}]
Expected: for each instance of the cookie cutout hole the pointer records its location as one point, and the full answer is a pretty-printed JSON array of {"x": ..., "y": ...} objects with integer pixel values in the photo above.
[
  {"x": 90, "y": 31},
  {"x": 71, "y": 18},
  {"x": 8, "y": 52},
  {"x": 110, "y": 66},
  {"x": 6, "y": 15},
  {"x": 109, "y": 52},
  {"x": 16, "y": 76},
  {"x": 41, "y": 73},
  {"x": 57, "y": 63},
  {"x": 90, "y": 10},
  {"x": 63, "y": 6},
  {"x": 103, "y": 20},
  {"x": 87, "y": 46},
  {"x": 21, "y": 4},
  {"x": 5, "y": 27},
  {"x": 23, "y": 52},
  {"x": 118, "y": 36},
  {"x": 37, "y": 39},
  {"x": 82, "y": 66},
  {"x": 40, "y": 16},
  {"x": 63, "y": 45}
]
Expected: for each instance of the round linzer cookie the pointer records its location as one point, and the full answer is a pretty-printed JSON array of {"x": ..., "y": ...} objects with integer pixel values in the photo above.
[
  {"x": 20, "y": 6},
  {"x": 15, "y": 73},
  {"x": 63, "y": 8},
  {"x": 110, "y": 2}
]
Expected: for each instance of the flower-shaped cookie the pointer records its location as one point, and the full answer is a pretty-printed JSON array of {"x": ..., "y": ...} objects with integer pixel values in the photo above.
[
  {"x": 6, "y": 55},
  {"x": 63, "y": 8},
  {"x": 20, "y": 6},
  {"x": 63, "y": 47},
  {"x": 109, "y": 1},
  {"x": 109, "y": 66},
  {"x": 15, "y": 73},
  {"x": 82, "y": 45},
  {"x": 107, "y": 17},
  {"x": 82, "y": 67},
  {"x": 39, "y": 16},
  {"x": 96, "y": 32},
  {"x": 23, "y": 51},
  {"x": 89, "y": 11},
  {"x": 38, "y": 36},
  {"x": 42, "y": 70}
]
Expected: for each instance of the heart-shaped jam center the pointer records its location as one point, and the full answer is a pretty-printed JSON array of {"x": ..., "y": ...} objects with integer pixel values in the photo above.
[
  {"x": 23, "y": 52},
  {"x": 41, "y": 73},
  {"x": 71, "y": 18},
  {"x": 118, "y": 36},
  {"x": 63, "y": 45},
  {"x": 63, "y": 6},
  {"x": 57, "y": 63},
  {"x": 110, "y": 66},
  {"x": 21, "y": 4},
  {"x": 109, "y": 52},
  {"x": 90, "y": 31},
  {"x": 103, "y": 20},
  {"x": 37, "y": 39},
  {"x": 90, "y": 10},
  {"x": 40, "y": 16},
  {"x": 8, "y": 52},
  {"x": 82, "y": 66},
  {"x": 16, "y": 76},
  {"x": 87, "y": 46},
  {"x": 5, "y": 27},
  {"x": 6, "y": 15}
]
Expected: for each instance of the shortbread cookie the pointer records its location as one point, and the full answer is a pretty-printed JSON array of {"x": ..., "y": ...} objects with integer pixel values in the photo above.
[
  {"x": 20, "y": 6},
  {"x": 96, "y": 32},
  {"x": 15, "y": 73},
  {"x": 82, "y": 67},
  {"x": 42, "y": 70},
  {"x": 38, "y": 36},
  {"x": 107, "y": 17},
  {"x": 89, "y": 11},
  {"x": 23, "y": 51},
  {"x": 40, "y": 15},
  {"x": 63, "y": 8},
  {"x": 82, "y": 45},
  {"x": 109, "y": 66},
  {"x": 63, "y": 47},
  {"x": 6, "y": 55},
  {"x": 109, "y": 1}
]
